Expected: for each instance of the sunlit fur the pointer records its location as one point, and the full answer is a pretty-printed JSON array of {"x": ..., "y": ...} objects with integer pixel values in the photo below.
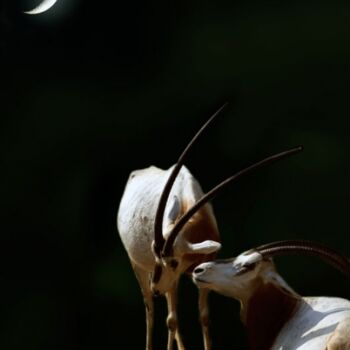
[
  {"x": 197, "y": 241},
  {"x": 275, "y": 316},
  {"x": 136, "y": 220}
]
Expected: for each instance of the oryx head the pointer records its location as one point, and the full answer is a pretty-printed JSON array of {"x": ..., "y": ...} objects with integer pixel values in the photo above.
[
  {"x": 172, "y": 246},
  {"x": 238, "y": 277}
]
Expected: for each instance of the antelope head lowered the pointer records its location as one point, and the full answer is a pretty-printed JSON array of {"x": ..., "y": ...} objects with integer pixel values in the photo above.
[{"x": 168, "y": 227}]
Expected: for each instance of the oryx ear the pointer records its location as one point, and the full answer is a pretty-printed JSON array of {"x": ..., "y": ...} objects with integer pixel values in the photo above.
[
  {"x": 205, "y": 247},
  {"x": 175, "y": 209}
]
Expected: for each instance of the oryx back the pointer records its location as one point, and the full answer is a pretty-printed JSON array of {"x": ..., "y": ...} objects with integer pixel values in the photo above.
[{"x": 139, "y": 204}]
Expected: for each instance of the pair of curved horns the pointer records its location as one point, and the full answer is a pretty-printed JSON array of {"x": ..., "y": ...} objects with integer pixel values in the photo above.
[
  {"x": 288, "y": 247},
  {"x": 164, "y": 248},
  {"x": 158, "y": 223}
]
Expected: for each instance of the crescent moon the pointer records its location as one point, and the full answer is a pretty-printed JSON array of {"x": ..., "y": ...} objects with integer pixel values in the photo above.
[{"x": 43, "y": 7}]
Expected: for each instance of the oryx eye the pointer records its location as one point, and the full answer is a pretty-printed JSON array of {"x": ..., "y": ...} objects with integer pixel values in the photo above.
[
  {"x": 241, "y": 271},
  {"x": 250, "y": 266},
  {"x": 245, "y": 268},
  {"x": 173, "y": 264}
]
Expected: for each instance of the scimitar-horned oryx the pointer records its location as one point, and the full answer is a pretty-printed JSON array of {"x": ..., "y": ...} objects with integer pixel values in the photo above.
[
  {"x": 275, "y": 316},
  {"x": 168, "y": 227}
]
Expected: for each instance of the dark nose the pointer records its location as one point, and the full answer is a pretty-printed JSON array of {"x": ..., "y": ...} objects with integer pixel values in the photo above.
[{"x": 198, "y": 270}]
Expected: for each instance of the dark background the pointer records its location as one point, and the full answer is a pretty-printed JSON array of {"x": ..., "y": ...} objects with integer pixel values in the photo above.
[{"x": 93, "y": 90}]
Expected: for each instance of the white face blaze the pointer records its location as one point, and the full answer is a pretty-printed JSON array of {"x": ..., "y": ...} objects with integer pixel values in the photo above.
[{"x": 232, "y": 277}]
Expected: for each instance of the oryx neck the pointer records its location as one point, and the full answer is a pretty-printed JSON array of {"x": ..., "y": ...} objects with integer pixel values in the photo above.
[{"x": 266, "y": 312}]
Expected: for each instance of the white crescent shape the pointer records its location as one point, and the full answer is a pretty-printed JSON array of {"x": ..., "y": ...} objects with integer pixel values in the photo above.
[{"x": 44, "y": 6}]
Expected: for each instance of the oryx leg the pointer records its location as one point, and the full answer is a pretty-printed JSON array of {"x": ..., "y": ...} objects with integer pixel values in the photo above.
[
  {"x": 340, "y": 338},
  {"x": 204, "y": 316},
  {"x": 143, "y": 279},
  {"x": 173, "y": 330}
]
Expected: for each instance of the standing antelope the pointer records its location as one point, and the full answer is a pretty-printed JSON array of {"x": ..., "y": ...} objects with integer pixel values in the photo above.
[
  {"x": 276, "y": 317},
  {"x": 167, "y": 228}
]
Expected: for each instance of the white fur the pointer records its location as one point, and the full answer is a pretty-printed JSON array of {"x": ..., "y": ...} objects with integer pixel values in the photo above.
[
  {"x": 135, "y": 222},
  {"x": 312, "y": 325},
  {"x": 138, "y": 208},
  {"x": 247, "y": 258},
  {"x": 319, "y": 323}
]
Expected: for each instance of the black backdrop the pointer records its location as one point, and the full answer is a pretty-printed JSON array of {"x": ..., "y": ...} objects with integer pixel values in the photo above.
[{"x": 92, "y": 90}]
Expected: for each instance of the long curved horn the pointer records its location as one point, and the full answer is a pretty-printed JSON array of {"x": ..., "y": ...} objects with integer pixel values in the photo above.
[
  {"x": 288, "y": 247},
  {"x": 212, "y": 193},
  {"x": 289, "y": 242},
  {"x": 158, "y": 223}
]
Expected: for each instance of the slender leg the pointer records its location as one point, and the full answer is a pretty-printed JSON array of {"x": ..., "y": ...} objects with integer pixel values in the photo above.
[
  {"x": 179, "y": 342},
  {"x": 143, "y": 278},
  {"x": 204, "y": 316},
  {"x": 173, "y": 331}
]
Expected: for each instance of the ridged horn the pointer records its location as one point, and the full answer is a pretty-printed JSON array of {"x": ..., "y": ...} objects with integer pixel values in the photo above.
[
  {"x": 167, "y": 250},
  {"x": 158, "y": 223},
  {"x": 289, "y": 247}
]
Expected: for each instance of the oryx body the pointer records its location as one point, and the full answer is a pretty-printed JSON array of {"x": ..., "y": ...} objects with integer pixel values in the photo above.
[
  {"x": 315, "y": 323},
  {"x": 138, "y": 208},
  {"x": 275, "y": 316},
  {"x": 167, "y": 228},
  {"x": 194, "y": 244}
]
